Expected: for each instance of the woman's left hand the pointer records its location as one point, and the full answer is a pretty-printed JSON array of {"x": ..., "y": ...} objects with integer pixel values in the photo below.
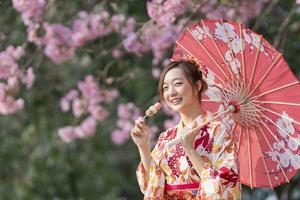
[{"x": 188, "y": 139}]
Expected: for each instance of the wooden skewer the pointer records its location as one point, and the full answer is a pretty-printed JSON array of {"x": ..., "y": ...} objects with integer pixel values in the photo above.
[{"x": 230, "y": 109}]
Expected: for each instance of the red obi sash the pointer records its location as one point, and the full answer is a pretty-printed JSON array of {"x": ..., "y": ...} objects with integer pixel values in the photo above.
[{"x": 189, "y": 186}]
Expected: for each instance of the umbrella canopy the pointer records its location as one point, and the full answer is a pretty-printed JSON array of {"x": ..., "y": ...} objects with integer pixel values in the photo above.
[{"x": 242, "y": 69}]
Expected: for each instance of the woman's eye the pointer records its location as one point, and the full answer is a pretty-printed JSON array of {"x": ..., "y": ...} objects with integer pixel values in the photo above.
[
  {"x": 165, "y": 88},
  {"x": 178, "y": 84}
]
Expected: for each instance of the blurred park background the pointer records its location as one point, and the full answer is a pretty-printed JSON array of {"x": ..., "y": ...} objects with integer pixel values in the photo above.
[{"x": 75, "y": 74}]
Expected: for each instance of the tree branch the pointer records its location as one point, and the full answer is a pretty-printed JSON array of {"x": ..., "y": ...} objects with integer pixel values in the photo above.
[{"x": 283, "y": 27}]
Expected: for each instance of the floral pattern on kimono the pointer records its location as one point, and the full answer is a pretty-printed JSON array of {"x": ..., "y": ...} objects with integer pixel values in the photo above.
[{"x": 172, "y": 175}]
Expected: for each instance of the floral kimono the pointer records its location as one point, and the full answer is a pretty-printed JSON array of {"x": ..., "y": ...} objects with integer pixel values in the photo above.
[{"x": 172, "y": 175}]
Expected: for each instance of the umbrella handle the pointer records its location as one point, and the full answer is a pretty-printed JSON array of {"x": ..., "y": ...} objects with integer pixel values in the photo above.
[{"x": 230, "y": 109}]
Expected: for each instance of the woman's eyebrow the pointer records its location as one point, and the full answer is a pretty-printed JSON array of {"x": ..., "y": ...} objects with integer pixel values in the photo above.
[
  {"x": 177, "y": 79},
  {"x": 174, "y": 79}
]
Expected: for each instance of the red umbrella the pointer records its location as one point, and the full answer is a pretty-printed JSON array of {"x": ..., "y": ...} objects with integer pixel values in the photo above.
[{"x": 244, "y": 70}]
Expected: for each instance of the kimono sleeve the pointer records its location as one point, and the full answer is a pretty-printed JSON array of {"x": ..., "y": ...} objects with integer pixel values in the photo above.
[
  {"x": 219, "y": 178},
  {"x": 153, "y": 186}
]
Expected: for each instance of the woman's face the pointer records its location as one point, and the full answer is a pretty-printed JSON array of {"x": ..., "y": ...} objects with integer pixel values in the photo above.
[{"x": 178, "y": 92}]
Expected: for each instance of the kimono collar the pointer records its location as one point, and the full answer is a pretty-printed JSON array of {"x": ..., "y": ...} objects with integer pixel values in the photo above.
[{"x": 199, "y": 120}]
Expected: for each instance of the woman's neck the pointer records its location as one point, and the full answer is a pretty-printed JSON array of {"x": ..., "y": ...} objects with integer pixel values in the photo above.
[{"x": 189, "y": 116}]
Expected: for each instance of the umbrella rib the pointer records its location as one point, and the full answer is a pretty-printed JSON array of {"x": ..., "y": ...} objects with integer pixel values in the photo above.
[
  {"x": 264, "y": 162},
  {"x": 275, "y": 113},
  {"x": 195, "y": 57},
  {"x": 243, "y": 55},
  {"x": 211, "y": 100},
  {"x": 265, "y": 75},
  {"x": 254, "y": 65},
  {"x": 249, "y": 158},
  {"x": 248, "y": 119},
  {"x": 278, "y": 102},
  {"x": 219, "y": 51},
  {"x": 291, "y": 155},
  {"x": 208, "y": 53},
  {"x": 279, "y": 164},
  {"x": 242, "y": 91},
  {"x": 237, "y": 93},
  {"x": 250, "y": 114},
  {"x": 275, "y": 90},
  {"x": 240, "y": 136}
]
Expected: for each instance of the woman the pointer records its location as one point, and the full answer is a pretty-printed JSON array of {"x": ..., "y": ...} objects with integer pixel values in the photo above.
[{"x": 203, "y": 164}]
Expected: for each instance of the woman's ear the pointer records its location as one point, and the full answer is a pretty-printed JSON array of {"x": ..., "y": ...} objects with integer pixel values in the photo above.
[{"x": 199, "y": 85}]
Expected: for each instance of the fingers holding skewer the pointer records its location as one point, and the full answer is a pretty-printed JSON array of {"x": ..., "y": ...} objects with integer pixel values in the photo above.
[{"x": 141, "y": 132}]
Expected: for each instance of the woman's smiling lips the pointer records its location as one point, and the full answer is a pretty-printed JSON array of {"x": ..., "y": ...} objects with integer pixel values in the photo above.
[{"x": 176, "y": 101}]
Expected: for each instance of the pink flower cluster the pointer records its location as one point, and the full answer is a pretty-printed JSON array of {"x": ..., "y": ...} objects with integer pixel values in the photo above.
[
  {"x": 154, "y": 37},
  {"x": 164, "y": 12},
  {"x": 59, "y": 45},
  {"x": 243, "y": 11},
  {"x": 60, "y": 41},
  {"x": 127, "y": 114},
  {"x": 85, "y": 102},
  {"x": 10, "y": 77},
  {"x": 160, "y": 33},
  {"x": 30, "y": 9}
]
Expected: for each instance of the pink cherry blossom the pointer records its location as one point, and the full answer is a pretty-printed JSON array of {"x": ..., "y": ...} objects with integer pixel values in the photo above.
[
  {"x": 11, "y": 75},
  {"x": 126, "y": 125},
  {"x": 89, "y": 88},
  {"x": 30, "y": 9},
  {"x": 165, "y": 12},
  {"x": 28, "y": 78},
  {"x": 98, "y": 112},
  {"x": 156, "y": 72},
  {"x": 67, "y": 134},
  {"x": 116, "y": 21},
  {"x": 65, "y": 101},
  {"x": 118, "y": 137},
  {"x": 129, "y": 26},
  {"x": 9, "y": 105},
  {"x": 127, "y": 113},
  {"x": 59, "y": 43},
  {"x": 87, "y": 102},
  {"x": 34, "y": 33},
  {"x": 89, "y": 26},
  {"x": 79, "y": 107},
  {"x": 89, "y": 126},
  {"x": 132, "y": 44},
  {"x": 116, "y": 53},
  {"x": 109, "y": 95}
]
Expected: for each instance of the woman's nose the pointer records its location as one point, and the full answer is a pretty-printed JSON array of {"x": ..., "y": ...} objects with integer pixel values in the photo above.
[{"x": 172, "y": 91}]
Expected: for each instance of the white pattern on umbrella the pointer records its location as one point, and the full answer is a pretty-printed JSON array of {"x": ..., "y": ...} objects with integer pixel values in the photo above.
[
  {"x": 284, "y": 125},
  {"x": 201, "y": 32},
  {"x": 225, "y": 32}
]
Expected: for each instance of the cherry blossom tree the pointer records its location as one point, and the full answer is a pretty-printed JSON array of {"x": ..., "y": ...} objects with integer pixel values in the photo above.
[{"x": 74, "y": 75}]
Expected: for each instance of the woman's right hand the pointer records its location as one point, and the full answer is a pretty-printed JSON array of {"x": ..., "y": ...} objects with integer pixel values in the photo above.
[{"x": 140, "y": 133}]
